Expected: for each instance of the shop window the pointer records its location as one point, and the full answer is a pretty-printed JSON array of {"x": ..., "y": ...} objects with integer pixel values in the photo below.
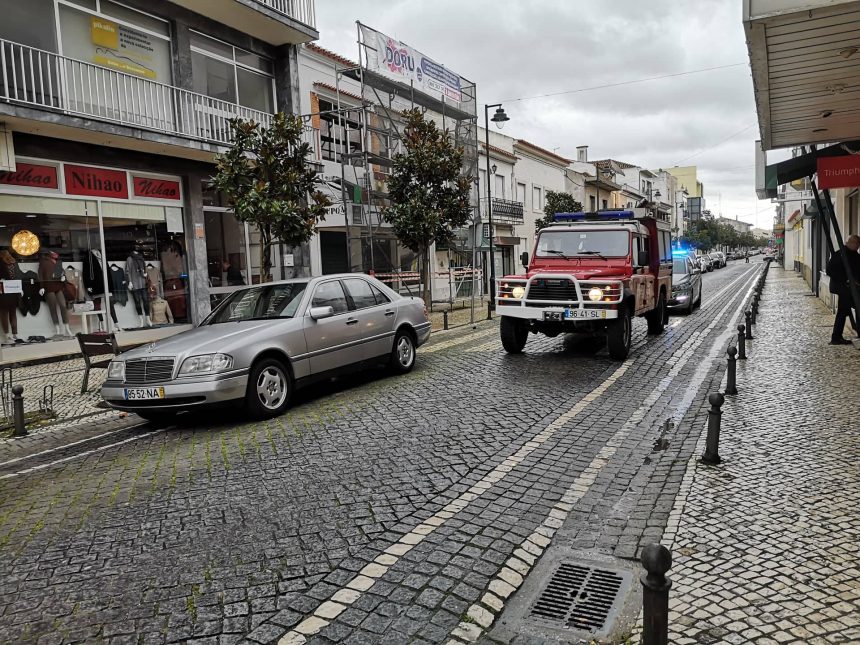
[
  {"x": 230, "y": 74},
  {"x": 226, "y": 256}
]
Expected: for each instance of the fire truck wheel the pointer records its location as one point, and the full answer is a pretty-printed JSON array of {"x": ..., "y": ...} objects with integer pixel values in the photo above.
[
  {"x": 657, "y": 317},
  {"x": 514, "y": 333},
  {"x": 618, "y": 335}
]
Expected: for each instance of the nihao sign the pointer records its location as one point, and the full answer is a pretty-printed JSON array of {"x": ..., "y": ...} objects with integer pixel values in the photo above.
[
  {"x": 149, "y": 188},
  {"x": 839, "y": 172},
  {"x": 95, "y": 182},
  {"x": 31, "y": 175}
]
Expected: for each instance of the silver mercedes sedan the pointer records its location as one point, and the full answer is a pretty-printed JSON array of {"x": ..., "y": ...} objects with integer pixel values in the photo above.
[{"x": 263, "y": 342}]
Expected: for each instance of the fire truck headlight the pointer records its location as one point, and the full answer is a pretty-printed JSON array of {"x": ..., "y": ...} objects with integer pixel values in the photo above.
[
  {"x": 518, "y": 292},
  {"x": 595, "y": 294}
]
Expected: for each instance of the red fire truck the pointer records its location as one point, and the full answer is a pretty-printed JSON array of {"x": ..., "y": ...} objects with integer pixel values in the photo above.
[{"x": 590, "y": 273}]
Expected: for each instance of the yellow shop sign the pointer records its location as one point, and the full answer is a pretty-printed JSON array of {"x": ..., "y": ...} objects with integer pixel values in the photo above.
[{"x": 104, "y": 33}]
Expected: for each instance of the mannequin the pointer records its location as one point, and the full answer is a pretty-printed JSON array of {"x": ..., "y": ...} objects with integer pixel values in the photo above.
[
  {"x": 95, "y": 284},
  {"x": 160, "y": 310},
  {"x": 135, "y": 270},
  {"x": 9, "y": 301},
  {"x": 51, "y": 277}
]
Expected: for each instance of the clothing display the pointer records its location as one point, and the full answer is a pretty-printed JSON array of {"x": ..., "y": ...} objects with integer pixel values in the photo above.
[
  {"x": 118, "y": 285},
  {"x": 154, "y": 284},
  {"x": 30, "y": 298},
  {"x": 174, "y": 293},
  {"x": 74, "y": 285},
  {"x": 135, "y": 271},
  {"x": 9, "y": 301},
  {"x": 160, "y": 312},
  {"x": 141, "y": 301},
  {"x": 94, "y": 280},
  {"x": 172, "y": 262},
  {"x": 51, "y": 276},
  {"x": 56, "y": 302},
  {"x": 97, "y": 306}
]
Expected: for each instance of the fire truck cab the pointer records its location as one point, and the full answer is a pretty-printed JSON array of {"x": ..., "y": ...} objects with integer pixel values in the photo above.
[{"x": 590, "y": 273}]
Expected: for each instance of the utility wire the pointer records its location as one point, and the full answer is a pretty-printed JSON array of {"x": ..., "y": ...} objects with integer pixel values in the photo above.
[
  {"x": 622, "y": 83},
  {"x": 719, "y": 143}
]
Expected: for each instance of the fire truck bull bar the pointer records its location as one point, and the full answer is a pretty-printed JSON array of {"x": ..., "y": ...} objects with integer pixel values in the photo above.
[{"x": 581, "y": 309}]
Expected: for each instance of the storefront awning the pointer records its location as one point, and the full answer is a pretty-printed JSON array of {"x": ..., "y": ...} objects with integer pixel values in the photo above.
[
  {"x": 806, "y": 69},
  {"x": 770, "y": 178}
]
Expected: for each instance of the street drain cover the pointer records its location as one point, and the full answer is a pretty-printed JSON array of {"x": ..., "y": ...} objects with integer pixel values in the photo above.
[{"x": 581, "y": 597}]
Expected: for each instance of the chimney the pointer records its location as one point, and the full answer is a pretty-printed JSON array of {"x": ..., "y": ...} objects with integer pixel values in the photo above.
[{"x": 582, "y": 153}]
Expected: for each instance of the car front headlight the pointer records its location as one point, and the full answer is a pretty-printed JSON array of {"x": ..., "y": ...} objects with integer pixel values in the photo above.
[
  {"x": 205, "y": 364},
  {"x": 116, "y": 371},
  {"x": 518, "y": 292},
  {"x": 595, "y": 294}
]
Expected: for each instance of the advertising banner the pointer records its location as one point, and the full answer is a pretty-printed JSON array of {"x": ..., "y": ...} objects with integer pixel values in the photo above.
[
  {"x": 400, "y": 62},
  {"x": 839, "y": 172},
  {"x": 30, "y": 175},
  {"x": 123, "y": 49}
]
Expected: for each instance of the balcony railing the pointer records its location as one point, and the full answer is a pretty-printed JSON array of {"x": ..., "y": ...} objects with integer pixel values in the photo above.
[
  {"x": 36, "y": 77},
  {"x": 302, "y": 10},
  {"x": 505, "y": 211}
]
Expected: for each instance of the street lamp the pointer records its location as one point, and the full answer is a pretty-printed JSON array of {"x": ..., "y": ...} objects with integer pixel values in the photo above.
[{"x": 499, "y": 118}]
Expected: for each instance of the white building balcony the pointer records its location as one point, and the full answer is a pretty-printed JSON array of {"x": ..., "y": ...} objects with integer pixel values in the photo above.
[
  {"x": 53, "y": 85},
  {"x": 278, "y": 22}
]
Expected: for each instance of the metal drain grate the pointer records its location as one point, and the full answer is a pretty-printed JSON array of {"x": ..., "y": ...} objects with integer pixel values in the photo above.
[{"x": 579, "y": 597}]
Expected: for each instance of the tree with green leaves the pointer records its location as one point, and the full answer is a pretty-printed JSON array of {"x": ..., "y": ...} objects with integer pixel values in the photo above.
[
  {"x": 269, "y": 182},
  {"x": 556, "y": 202},
  {"x": 430, "y": 195}
]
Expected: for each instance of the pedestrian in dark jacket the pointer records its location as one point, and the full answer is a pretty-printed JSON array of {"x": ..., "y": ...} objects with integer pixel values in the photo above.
[{"x": 839, "y": 285}]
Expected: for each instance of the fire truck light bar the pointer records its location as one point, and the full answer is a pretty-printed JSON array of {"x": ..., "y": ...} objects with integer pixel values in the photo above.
[{"x": 605, "y": 216}]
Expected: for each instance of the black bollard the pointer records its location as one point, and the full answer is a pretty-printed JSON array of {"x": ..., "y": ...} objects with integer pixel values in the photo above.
[
  {"x": 742, "y": 342},
  {"x": 489, "y": 311},
  {"x": 732, "y": 371},
  {"x": 445, "y": 320},
  {"x": 712, "y": 442},
  {"x": 749, "y": 324},
  {"x": 18, "y": 411},
  {"x": 755, "y": 311},
  {"x": 656, "y": 560}
]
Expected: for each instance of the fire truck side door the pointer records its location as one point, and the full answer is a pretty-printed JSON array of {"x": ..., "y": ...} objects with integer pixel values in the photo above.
[{"x": 642, "y": 281}]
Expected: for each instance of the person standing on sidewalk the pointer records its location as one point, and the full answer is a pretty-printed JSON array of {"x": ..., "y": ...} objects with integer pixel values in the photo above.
[{"x": 839, "y": 285}]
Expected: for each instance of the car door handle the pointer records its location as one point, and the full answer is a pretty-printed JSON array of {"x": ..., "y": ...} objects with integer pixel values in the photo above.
[
  {"x": 352, "y": 321},
  {"x": 389, "y": 313}
]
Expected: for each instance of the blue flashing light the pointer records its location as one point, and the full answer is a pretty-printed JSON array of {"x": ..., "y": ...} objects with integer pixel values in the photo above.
[{"x": 605, "y": 216}]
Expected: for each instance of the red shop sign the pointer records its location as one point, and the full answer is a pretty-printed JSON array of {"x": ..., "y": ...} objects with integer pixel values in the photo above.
[
  {"x": 95, "y": 182},
  {"x": 32, "y": 176},
  {"x": 839, "y": 172},
  {"x": 155, "y": 188}
]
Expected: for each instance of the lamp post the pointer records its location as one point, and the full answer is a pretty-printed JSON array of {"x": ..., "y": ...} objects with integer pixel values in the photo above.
[{"x": 499, "y": 118}]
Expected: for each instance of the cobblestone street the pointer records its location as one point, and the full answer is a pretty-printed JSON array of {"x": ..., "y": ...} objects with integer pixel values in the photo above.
[
  {"x": 765, "y": 544},
  {"x": 425, "y": 508}
]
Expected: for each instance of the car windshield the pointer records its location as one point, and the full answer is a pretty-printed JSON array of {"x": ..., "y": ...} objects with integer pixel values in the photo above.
[
  {"x": 260, "y": 303},
  {"x": 579, "y": 243},
  {"x": 679, "y": 266}
]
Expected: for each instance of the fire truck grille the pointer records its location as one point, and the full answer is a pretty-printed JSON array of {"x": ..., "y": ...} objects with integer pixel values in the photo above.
[{"x": 561, "y": 289}]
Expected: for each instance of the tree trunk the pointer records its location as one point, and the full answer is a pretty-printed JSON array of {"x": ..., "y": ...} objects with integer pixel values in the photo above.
[
  {"x": 265, "y": 255},
  {"x": 424, "y": 272}
]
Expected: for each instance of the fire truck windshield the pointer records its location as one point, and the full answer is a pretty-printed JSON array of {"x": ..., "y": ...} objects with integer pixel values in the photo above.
[{"x": 583, "y": 243}]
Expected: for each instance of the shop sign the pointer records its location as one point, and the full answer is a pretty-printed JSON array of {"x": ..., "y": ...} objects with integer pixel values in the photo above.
[
  {"x": 121, "y": 48},
  {"x": 150, "y": 188},
  {"x": 839, "y": 172},
  {"x": 95, "y": 182},
  {"x": 30, "y": 175}
]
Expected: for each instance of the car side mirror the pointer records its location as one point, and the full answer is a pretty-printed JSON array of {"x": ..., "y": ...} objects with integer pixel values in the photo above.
[
  {"x": 524, "y": 258},
  {"x": 318, "y": 313}
]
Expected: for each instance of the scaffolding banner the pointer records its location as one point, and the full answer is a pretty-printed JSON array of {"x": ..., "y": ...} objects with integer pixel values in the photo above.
[{"x": 400, "y": 62}]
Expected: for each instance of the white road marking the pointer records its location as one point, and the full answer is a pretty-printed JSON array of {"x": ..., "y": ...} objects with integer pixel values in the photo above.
[
  {"x": 513, "y": 572},
  {"x": 69, "y": 445},
  {"x": 94, "y": 451}
]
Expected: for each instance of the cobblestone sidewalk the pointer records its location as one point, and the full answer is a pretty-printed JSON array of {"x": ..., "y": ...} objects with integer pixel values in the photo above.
[{"x": 766, "y": 544}]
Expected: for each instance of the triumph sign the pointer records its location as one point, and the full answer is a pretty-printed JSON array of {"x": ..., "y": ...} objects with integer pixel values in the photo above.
[{"x": 400, "y": 62}]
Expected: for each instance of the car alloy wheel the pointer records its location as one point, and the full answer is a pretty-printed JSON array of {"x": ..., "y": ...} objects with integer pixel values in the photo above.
[
  {"x": 405, "y": 352},
  {"x": 272, "y": 388}
]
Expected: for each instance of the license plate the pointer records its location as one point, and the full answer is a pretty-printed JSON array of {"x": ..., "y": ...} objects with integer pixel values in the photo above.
[
  {"x": 584, "y": 314},
  {"x": 144, "y": 393}
]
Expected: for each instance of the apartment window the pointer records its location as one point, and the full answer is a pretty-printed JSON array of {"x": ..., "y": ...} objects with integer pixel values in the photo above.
[
  {"x": 339, "y": 131},
  {"x": 521, "y": 193},
  {"x": 605, "y": 204},
  {"x": 499, "y": 188},
  {"x": 230, "y": 74},
  {"x": 537, "y": 198},
  {"x": 592, "y": 203},
  {"x": 357, "y": 214}
]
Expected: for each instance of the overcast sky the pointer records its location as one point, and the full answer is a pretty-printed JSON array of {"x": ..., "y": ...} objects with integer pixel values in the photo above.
[{"x": 514, "y": 48}]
